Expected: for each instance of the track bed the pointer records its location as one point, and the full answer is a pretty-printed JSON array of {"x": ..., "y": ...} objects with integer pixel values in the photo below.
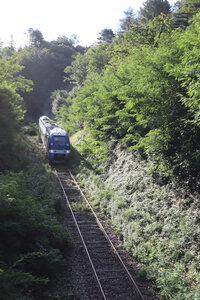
[{"x": 102, "y": 269}]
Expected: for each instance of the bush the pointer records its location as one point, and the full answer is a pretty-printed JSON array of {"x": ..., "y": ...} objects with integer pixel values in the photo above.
[{"x": 31, "y": 238}]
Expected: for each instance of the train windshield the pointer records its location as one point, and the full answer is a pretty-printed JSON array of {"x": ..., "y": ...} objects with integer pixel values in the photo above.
[{"x": 59, "y": 142}]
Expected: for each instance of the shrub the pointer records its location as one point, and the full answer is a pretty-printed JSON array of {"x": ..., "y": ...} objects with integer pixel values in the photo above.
[{"x": 31, "y": 238}]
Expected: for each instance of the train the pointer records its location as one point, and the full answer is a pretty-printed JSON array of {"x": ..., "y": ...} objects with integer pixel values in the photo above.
[{"x": 55, "y": 140}]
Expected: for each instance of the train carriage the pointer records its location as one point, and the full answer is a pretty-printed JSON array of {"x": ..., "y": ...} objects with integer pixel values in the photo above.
[{"x": 55, "y": 140}]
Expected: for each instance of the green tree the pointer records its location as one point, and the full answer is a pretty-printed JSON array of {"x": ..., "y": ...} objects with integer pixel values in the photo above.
[
  {"x": 150, "y": 33},
  {"x": 58, "y": 98},
  {"x": 106, "y": 35},
  {"x": 36, "y": 38},
  {"x": 98, "y": 57},
  {"x": 152, "y": 9},
  {"x": 11, "y": 107},
  {"x": 44, "y": 65},
  {"x": 94, "y": 60},
  {"x": 187, "y": 68},
  {"x": 185, "y": 10},
  {"x": 77, "y": 71},
  {"x": 128, "y": 20}
]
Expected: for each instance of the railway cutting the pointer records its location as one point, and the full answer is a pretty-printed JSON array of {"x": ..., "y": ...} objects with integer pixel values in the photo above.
[{"x": 102, "y": 272}]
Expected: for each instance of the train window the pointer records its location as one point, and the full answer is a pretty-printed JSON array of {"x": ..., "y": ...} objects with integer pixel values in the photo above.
[{"x": 59, "y": 142}]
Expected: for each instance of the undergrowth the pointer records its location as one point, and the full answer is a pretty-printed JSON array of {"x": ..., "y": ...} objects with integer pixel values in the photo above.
[
  {"x": 158, "y": 223},
  {"x": 32, "y": 240}
]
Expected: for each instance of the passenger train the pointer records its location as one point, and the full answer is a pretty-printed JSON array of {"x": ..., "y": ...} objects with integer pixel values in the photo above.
[{"x": 55, "y": 140}]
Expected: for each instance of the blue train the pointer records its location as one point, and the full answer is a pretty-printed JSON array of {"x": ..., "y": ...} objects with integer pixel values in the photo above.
[{"x": 55, "y": 140}]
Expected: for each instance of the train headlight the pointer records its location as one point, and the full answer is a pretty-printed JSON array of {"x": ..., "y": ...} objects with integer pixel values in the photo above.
[
  {"x": 51, "y": 151},
  {"x": 68, "y": 151}
]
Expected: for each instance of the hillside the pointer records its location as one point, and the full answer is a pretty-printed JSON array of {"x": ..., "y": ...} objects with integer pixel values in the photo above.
[{"x": 130, "y": 104}]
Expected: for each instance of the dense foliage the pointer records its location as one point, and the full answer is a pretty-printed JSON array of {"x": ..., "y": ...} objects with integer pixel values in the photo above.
[
  {"x": 27, "y": 79},
  {"x": 141, "y": 89},
  {"x": 44, "y": 64},
  {"x": 138, "y": 89},
  {"x": 31, "y": 238},
  {"x": 12, "y": 110}
]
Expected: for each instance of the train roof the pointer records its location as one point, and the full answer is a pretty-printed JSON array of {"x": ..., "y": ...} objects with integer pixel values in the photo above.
[
  {"x": 58, "y": 130},
  {"x": 51, "y": 126},
  {"x": 48, "y": 122}
]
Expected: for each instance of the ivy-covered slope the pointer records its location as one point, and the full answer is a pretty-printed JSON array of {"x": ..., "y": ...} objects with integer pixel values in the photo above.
[{"x": 158, "y": 224}]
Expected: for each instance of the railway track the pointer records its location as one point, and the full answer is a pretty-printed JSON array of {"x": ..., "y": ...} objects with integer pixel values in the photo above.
[{"x": 107, "y": 275}]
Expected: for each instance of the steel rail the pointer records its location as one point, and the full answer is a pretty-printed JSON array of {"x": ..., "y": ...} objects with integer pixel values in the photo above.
[
  {"x": 82, "y": 239},
  {"x": 107, "y": 237}
]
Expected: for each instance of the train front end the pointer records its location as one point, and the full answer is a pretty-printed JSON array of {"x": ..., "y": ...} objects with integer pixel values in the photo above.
[{"x": 59, "y": 146}]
